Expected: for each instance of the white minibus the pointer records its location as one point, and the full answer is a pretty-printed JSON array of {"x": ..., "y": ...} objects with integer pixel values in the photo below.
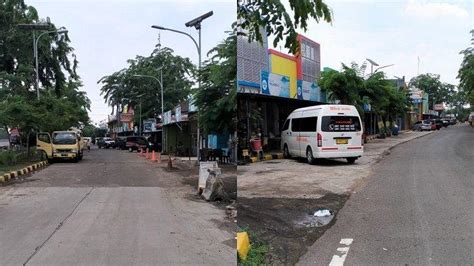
[{"x": 323, "y": 131}]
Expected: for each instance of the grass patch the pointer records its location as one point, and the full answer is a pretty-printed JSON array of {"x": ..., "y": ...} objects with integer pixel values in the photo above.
[
  {"x": 4, "y": 169},
  {"x": 16, "y": 159},
  {"x": 258, "y": 252}
]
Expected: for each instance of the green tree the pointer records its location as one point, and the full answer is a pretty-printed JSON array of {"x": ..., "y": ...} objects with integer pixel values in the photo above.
[
  {"x": 272, "y": 16},
  {"x": 217, "y": 97},
  {"x": 61, "y": 104},
  {"x": 344, "y": 85},
  {"x": 466, "y": 73},
  {"x": 431, "y": 84},
  {"x": 352, "y": 86},
  {"x": 122, "y": 87}
]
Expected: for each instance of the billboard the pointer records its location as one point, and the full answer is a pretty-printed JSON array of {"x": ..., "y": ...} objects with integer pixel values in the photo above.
[
  {"x": 275, "y": 85},
  {"x": 309, "y": 91}
]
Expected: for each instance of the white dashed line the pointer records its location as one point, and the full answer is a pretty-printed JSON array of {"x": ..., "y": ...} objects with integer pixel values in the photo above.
[{"x": 338, "y": 259}]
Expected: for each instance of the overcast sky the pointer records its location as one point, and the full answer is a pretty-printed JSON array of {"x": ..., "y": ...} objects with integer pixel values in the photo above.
[
  {"x": 105, "y": 33},
  {"x": 397, "y": 32}
]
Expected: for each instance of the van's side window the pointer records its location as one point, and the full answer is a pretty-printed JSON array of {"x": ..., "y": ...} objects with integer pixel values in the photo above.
[
  {"x": 295, "y": 124},
  {"x": 286, "y": 125},
  {"x": 308, "y": 124}
]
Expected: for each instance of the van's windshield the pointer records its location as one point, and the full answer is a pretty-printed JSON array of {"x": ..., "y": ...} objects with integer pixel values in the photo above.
[
  {"x": 340, "y": 123},
  {"x": 64, "y": 138}
]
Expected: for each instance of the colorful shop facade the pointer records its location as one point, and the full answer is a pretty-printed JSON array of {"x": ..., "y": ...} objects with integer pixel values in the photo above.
[{"x": 270, "y": 85}]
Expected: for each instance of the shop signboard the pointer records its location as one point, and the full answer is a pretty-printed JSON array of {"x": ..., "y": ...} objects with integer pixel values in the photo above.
[
  {"x": 126, "y": 117},
  {"x": 149, "y": 125},
  {"x": 309, "y": 91},
  {"x": 438, "y": 107},
  {"x": 275, "y": 85},
  {"x": 416, "y": 96}
]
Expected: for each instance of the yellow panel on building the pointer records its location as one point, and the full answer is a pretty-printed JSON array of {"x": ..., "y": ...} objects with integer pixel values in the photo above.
[{"x": 284, "y": 65}]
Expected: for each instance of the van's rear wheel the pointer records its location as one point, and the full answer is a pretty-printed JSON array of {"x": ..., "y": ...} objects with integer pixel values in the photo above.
[
  {"x": 351, "y": 160},
  {"x": 309, "y": 156},
  {"x": 286, "y": 152}
]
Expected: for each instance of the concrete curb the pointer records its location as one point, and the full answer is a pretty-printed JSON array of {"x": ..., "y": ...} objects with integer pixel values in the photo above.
[{"x": 23, "y": 171}]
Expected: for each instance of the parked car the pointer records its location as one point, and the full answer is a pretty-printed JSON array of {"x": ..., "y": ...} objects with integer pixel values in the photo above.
[
  {"x": 417, "y": 126},
  {"x": 120, "y": 143},
  {"x": 425, "y": 125},
  {"x": 422, "y": 125},
  {"x": 323, "y": 131},
  {"x": 106, "y": 143},
  {"x": 135, "y": 143},
  {"x": 433, "y": 124},
  {"x": 87, "y": 142},
  {"x": 452, "y": 121}
]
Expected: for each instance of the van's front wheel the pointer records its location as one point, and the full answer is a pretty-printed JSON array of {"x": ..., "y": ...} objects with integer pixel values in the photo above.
[
  {"x": 286, "y": 152},
  {"x": 309, "y": 156}
]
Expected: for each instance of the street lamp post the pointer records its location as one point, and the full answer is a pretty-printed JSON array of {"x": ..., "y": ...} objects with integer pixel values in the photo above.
[
  {"x": 34, "y": 27},
  {"x": 35, "y": 51},
  {"x": 162, "y": 105},
  {"x": 196, "y": 23}
]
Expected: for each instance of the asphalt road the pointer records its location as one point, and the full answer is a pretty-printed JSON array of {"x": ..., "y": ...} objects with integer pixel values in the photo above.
[
  {"x": 112, "y": 208},
  {"x": 417, "y": 208}
]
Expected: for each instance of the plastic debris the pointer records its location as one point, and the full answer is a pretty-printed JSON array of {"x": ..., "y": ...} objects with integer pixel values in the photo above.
[{"x": 322, "y": 213}]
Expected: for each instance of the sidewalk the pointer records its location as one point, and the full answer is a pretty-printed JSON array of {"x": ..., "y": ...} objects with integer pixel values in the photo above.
[{"x": 294, "y": 178}]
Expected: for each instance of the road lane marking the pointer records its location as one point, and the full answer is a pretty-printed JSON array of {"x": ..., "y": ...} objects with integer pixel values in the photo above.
[{"x": 338, "y": 259}]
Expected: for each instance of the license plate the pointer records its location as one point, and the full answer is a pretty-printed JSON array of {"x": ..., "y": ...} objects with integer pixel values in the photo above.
[
  {"x": 64, "y": 154},
  {"x": 342, "y": 141}
]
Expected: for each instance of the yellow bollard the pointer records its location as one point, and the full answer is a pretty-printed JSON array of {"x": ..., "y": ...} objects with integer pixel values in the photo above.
[{"x": 243, "y": 244}]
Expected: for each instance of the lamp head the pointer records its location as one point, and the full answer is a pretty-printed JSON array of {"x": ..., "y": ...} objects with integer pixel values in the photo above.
[{"x": 197, "y": 21}]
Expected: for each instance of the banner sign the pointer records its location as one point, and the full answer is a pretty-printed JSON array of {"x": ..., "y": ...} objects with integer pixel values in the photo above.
[
  {"x": 275, "y": 85},
  {"x": 167, "y": 118},
  {"x": 177, "y": 112},
  {"x": 309, "y": 91}
]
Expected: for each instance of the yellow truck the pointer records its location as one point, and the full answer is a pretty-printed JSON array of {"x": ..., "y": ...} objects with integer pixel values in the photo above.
[{"x": 60, "y": 145}]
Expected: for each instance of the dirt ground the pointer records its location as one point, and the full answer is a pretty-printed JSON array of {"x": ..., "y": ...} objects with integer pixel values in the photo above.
[{"x": 279, "y": 222}]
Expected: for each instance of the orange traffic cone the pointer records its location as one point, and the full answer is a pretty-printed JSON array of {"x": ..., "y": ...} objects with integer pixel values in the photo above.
[
  {"x": 158, "y": 159},
  {"x": 147, "y": 156},
  {"x": 153, "y": 156}
]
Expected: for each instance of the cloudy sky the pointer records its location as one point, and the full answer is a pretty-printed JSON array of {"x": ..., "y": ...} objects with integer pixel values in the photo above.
[
  {"x": 105, "y": 33},
  {"x": 397, "y": 32}
]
